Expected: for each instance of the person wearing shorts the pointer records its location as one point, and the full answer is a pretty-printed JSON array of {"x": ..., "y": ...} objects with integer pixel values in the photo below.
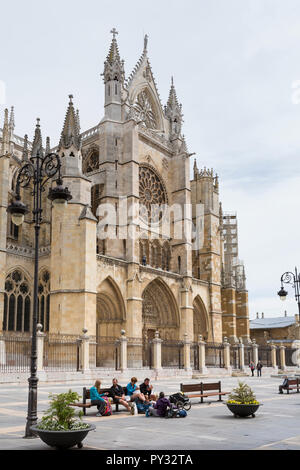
[
  {"x": 133, "y": 390},
  {"x": 117, "y": 394}
]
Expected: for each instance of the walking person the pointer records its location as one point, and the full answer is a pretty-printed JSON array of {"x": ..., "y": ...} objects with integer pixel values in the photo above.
[
  {"x": 97, "y": 398},
  {"x": 252, "y": 368},
  {"x": 259, "y": 368}
]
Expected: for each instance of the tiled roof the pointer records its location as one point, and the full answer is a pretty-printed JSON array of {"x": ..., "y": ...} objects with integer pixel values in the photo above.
[{"x": 268, "y": 323}]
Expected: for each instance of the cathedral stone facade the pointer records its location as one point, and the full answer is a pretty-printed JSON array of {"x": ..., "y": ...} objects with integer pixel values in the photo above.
[{"x": 103, "y": 267}]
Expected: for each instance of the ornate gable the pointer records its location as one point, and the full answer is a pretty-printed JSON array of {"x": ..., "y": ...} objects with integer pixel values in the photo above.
[{"x": 142, "y": 94}]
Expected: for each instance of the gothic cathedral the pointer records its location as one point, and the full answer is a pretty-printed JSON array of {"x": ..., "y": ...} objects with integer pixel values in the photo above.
[{"x": 103, "y": 267}]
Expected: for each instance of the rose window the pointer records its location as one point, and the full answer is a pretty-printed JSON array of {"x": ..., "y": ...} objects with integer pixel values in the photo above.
[{"x": 152, "y": 195}]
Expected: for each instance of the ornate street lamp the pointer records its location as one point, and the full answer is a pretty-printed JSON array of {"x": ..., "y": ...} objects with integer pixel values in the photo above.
[
  {"x": 294, "y": 280},
  {"x": 38, "y": 169}
]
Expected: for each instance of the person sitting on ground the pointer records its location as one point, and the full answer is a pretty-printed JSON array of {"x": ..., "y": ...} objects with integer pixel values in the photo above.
[
  {"x": 159, "y": 409},
  {"x": 142, "y": 406},
  {"x": 146, "y": 389},
  {"x": 117, "y": 394},
  {"x": 96, "y": 398},
  {"x": 133, "y": 390},
  {"x": 284, "y": 385}
]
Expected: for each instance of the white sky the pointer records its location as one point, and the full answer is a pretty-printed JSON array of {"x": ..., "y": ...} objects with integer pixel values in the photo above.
[{"x": 233, "y": 62}]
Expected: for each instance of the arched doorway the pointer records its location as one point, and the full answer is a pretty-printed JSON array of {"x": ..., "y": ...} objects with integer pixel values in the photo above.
[
  {"x": 110, "y": 320},
  {"x": 160, "y": 312},
  {"x": 200, "y": 319}
]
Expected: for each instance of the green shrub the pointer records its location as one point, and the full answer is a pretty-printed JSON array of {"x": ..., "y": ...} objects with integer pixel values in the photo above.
[
  {"x": 242, "y": 395},
  {"x": 60, "y": 416}
]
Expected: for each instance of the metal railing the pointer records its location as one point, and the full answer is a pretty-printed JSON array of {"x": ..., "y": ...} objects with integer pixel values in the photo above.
[
  {"x": 172, "y": 354},
  {"x": 15, "y": 352},
  {"x": 194, "y": 356},
  {"x": 264, "y": 355},
  {"x": 214, "y": 355},
  {"x": 234, "y": 356},
  {"x": 62, "y": 352},
  {"x": 108, "y": 352}
]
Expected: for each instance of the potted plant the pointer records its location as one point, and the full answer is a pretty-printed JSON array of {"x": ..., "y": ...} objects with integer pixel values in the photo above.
[
  {"x": 242, "y": 401},
  {"x": 60, "y": 427}
]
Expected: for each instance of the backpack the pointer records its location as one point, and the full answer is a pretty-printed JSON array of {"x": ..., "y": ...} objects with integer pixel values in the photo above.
[{"x": 108, "y": 409}]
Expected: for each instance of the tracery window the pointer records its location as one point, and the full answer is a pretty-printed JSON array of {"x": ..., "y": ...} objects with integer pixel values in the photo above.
[
  {"x": 91, "y": 161},
  {"x": 145, "y": 110},
  {"x": 152, "y": 195},
  {"x": 17, "y": 302}
]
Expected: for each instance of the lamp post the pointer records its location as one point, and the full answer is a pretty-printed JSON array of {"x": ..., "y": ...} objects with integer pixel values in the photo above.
[
  {"x": 294, "y": 280},
  {"x": 38, "y": 170}
]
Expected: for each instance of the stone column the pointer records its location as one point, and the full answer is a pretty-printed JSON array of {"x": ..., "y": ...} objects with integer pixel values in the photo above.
[
  {"x": 157, "y": 351},
  {"x": 201, "y": 352},
  {"x": 255, "y": 352},
  {"x": 241, "y": 354},
  {"x": 226, "y": 346},
  {"x": 85, "y": 351},
  {"x": 273, "y": 356},
  {"x": 186, "y": 353},
  {"x": 40, "y": 347},
  {"x": 296, "y": 354},
  {"x": 123, "y": 351},
  {"x": 282, "y": 357}
]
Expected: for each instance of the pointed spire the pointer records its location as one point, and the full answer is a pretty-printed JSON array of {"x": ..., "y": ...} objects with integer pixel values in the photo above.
[
  {"x": 113, "y": 66},
  {"x": 47, "y": 149},
  {"x": 173, "y": 111},
  {"x": 25, "y": 148},
  {"x": 37, "y": 145},
  {"x": 5, "y": 134},
  {"x": 78, "y": 120},
  {"x": 11, "y": 123},
  {"x": 70, "y": 133},
  {"x": 196, "y": 171}
]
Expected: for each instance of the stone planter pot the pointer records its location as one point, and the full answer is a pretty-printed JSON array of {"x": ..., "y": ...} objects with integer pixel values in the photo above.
[
  {"x": 63, "y": 439},
  {"x": 242, "y": 410}
]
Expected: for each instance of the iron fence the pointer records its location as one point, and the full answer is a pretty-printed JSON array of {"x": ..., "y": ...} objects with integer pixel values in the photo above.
[
  {"x": 15, "y": 352},
  {"x": 195, "y": 356},
  {"x": 108, "y": 352},
  {"x": 264, "y": 355},
  {"x": 172, "y": 354},
  {"x": 248, "y": 354},
  {"x": 214, "y": 355},
  {"x": 235, "y": 356},
  {"x": 134, "y": 353},
  {"x": 62, "y": 352},
  {"x": 147, "y": 353}
]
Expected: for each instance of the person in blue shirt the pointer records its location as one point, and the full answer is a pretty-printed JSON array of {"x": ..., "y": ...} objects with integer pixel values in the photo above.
[
  {"x": 133, "y": 391},
  {"x": 96, "y": 397}
]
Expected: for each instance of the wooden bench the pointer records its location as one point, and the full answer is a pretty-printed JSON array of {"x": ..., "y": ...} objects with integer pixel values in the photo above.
[
  {"x": 293, "y": 384},
  {"x": 203, "y": 390},
  {"x": 86, "y": 396}
]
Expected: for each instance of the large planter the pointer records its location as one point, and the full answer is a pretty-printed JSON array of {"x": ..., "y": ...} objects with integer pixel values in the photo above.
[
  {"x": 242, "y": 410},
  {"x": 63, "y": 439}
]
